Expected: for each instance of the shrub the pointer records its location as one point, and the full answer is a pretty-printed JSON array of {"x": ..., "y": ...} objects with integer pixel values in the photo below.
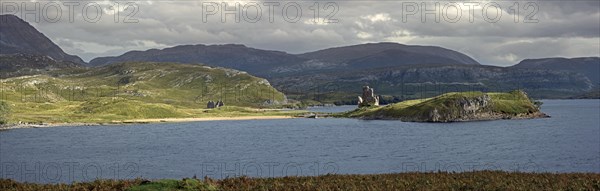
[{"x": 4, "y": 111}]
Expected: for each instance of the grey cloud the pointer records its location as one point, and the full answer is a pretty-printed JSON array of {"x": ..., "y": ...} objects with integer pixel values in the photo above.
[{"x": 564, "y": 29}]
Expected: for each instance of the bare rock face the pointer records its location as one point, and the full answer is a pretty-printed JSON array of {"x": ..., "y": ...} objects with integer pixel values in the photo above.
[
  {"x": 368, "y": 98},
  {"x": 471, "y": 106},
  {"x": 467, "y": 109}
]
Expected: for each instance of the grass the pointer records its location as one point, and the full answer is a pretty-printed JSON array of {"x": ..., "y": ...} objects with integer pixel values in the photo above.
[
  {"x": 168, "y": 185},
  {"x": 136, "y": 90},
  {"x": 479, "y": 180},
  {"x": 115, "y": 110},
  {"x": 514, "y": 103},
  {"x": 510, "y": 103},
  {"x": 4, "y": 111}
]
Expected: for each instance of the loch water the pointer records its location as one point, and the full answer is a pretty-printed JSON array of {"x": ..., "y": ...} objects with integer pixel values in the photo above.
[{"x": 569, "y": 141}]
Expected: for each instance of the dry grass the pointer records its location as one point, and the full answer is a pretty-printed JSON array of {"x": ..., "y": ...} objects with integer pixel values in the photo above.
[{"x": 481, "y": 180}]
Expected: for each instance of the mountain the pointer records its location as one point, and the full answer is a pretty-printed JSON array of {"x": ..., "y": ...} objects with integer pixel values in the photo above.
[
  {"x": 588, "y": 66},
  {"x": 394, "y": 69},
  {"x": 421, "y": 81},
  {"x": 239, "y": 57},
  {"x": 18, "y": 36},
  {"x": 13, "y": 65},
  {"x": 389, "y": 54},
  {"x": 373, "y": 55},
  {"x": 266, "y": 63}
]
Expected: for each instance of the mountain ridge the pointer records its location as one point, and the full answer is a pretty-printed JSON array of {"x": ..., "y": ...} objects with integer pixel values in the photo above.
[
  {"x": 270, "y": 63},
  {"x": 589, "y": 66},
  {"x": 348, "y": 53},
  {"x": 18, "y": 36}
]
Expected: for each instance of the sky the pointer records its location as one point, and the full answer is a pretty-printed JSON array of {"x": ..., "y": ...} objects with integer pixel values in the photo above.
[{"x": 500, "y": 33}]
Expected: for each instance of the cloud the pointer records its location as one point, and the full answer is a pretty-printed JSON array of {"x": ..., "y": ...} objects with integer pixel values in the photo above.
[
  {"x": 567, "y": 29},
  {"x": 380, "y": 17}
]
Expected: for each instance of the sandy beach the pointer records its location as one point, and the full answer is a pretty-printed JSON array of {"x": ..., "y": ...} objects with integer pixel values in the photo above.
[
  {"x": 139, "y": 121},
  {"x": 205, "y": 119}
]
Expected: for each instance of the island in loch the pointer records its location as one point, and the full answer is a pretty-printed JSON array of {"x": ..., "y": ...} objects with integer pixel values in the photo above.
[{"x": 452, "y": 107}]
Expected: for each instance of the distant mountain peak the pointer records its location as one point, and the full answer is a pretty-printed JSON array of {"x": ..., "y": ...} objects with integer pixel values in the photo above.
[
  {"x": 352, "y": 53},
  {"x": 18, "y": 36}
]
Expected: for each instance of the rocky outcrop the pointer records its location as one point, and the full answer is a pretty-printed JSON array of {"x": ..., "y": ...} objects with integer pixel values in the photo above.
[
  {"x": 473, "y": 109},
  {"x": 368, "y": 98}
]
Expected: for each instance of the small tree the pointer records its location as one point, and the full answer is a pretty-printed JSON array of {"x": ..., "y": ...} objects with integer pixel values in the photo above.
[{"x": 4, "y": 111}]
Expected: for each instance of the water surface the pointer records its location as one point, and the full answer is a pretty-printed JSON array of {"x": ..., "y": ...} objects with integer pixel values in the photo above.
[{"x": 567, "y": 142}]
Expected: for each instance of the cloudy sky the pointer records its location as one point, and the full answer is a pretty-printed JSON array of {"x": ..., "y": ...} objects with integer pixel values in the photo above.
[{"x": 493, "y": 32}]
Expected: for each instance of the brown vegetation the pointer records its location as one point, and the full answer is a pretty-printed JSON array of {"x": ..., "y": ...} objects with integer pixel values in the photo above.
[{"x": 481, "y": 180}]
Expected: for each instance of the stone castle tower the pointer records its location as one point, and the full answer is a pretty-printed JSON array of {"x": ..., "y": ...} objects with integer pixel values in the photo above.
[{"x": 368, "y": 98}]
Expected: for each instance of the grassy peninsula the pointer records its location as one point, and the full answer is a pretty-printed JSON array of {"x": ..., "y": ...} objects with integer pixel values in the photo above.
[
  {"x": 456, "y": 106},
  {"x": 135, "y": 90}
]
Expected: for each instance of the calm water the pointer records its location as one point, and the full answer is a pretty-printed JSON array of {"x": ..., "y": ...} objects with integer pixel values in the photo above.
[
  {"x": 332, "y": 109},
  {"x": 567, "y": 142}
]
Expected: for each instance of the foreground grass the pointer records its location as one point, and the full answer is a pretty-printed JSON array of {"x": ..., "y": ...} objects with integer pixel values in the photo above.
[{"x": 481, "y": 180}]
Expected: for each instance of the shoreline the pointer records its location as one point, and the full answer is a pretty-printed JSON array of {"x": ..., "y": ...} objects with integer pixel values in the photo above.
[
  {"x": 483, "y": 117},
  {"x": 145, "y": 121},
  {"x": 536, "y": 115}
]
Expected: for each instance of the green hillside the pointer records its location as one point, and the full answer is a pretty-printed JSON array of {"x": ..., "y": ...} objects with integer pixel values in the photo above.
[
  {"x": 461, "y": 106},
  {"x": 133, "y": 90}
]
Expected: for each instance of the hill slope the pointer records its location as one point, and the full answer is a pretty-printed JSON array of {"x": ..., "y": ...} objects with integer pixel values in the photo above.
[
  {"x": 18, "y": 36},
  {"x": 13, "y": 65},
  {"x": 332, "y": 75},
  {"x": 589, "y": 66},
  {"x": 256, "y": 61},
  {"x": 400, "y": 54},
  {"x": 414, "y": 82},
  {"x": 267, "y": 63},
  {"x": 133, "y": 90}
]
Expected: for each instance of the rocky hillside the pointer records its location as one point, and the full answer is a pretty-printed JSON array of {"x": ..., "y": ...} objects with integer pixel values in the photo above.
[
  {"x": 453, "y": 107},
  {"x": 13, "y": 65},
  {"x": 414, "y": 82},
  {"x": 588, "y": 66},
  {"x": 18, "y": 36}
]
